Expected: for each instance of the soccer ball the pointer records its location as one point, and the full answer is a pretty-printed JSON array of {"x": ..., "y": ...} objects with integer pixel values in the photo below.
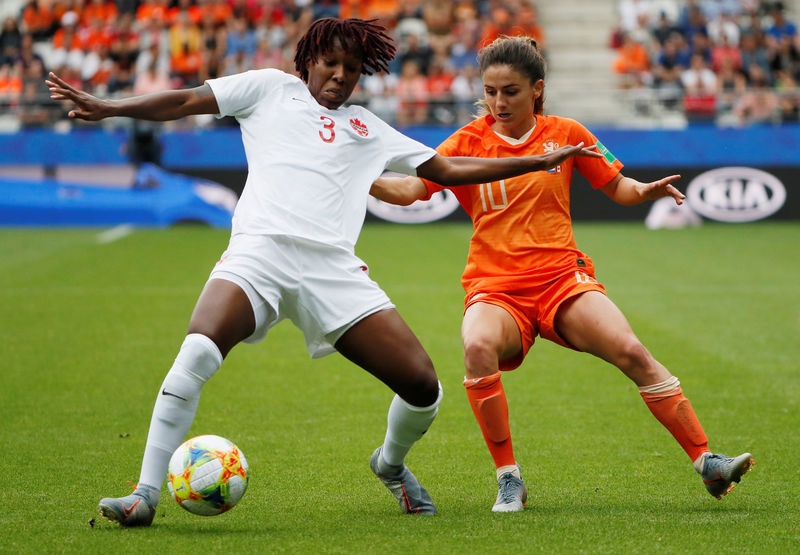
[{"x": 207, "y": 475}]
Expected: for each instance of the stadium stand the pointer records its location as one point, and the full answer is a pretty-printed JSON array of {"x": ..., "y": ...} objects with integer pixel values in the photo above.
[
  {"x": 632, "y": 63},
  {"x": 731, "y": 62},
  {"x": 580, "y": 83}
]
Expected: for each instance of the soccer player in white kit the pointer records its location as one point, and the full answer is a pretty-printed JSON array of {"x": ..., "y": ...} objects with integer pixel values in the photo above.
[{"x": 311, "y": 165}]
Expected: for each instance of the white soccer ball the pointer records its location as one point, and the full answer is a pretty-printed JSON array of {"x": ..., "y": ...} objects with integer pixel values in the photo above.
[{"x": 208, "y": 475}]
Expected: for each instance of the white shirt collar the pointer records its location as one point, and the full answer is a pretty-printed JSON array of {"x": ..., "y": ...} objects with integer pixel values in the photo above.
[{"x": 512, "y": 140}]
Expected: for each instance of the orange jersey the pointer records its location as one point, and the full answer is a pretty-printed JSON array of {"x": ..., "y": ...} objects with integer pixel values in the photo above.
[{"x": 522, "y": 225}]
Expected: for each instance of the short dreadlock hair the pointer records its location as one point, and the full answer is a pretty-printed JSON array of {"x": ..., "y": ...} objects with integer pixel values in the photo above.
[{"x": 376, "y": 48}]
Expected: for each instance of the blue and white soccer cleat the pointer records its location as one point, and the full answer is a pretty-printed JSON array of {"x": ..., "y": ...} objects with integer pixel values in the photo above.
[
  {"x": 129, "y": 511},
  {"x": 511, "y": 494},
  {"x": 721, "y": 474},
  {"x": 403, "y": 485}
]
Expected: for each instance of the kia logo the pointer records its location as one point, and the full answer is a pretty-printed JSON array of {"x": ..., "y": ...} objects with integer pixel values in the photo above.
[
  {"x": 441, "y": 205},
  {"x": 736, "y": 194}
]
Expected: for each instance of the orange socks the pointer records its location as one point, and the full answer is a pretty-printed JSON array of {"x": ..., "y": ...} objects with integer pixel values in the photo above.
[
  {"x": 665, "y": 400},
  {"x": 667, "y": 403},
  {"x": 490, "y": 407}
]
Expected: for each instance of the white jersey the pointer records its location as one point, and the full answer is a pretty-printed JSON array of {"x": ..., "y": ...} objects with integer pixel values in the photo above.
[{"x": 310, "y": 168}]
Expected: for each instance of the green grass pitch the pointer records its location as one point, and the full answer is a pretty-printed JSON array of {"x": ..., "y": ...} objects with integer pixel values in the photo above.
[{"x": 88, "y": 330}]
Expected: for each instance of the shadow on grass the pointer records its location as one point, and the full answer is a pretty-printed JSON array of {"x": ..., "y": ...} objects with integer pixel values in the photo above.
[{"x": 241, "y": 529}]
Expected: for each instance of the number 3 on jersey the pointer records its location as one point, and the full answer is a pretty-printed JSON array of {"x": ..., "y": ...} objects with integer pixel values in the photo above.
[{"x": 328, "y": 134}]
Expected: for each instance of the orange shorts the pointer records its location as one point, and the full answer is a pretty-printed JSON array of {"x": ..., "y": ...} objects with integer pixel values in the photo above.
[{"x": 534, "y": 307}]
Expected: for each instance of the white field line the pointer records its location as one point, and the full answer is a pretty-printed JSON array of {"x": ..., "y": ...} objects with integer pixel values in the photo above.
[{"x": 114, "y": 234}]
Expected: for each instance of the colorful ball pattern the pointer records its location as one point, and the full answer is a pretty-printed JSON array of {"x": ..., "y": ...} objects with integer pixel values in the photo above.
[{"x": 208, "y": 475}]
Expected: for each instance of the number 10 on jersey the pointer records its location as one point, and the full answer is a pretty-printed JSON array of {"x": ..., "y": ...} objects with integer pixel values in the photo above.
[{"x": 488, "y": 193}]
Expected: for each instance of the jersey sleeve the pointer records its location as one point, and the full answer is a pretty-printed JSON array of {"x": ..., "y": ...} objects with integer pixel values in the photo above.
[
  {"x": 448, "y": 148},
  {"x": 237, "y": 95},
  {"x": 404, "y": 154},
  {"x": 599, "y": 171}
]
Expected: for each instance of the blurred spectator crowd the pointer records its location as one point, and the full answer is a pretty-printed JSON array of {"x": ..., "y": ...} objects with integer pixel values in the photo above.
[
  {"x": 728, "y": 61},
  {"x": 733, "y": 62},
  {"x": 115, "y": 48}
]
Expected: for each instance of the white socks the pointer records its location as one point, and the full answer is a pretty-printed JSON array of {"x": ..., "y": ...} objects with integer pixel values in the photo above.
[
  {"x": 406, "y": 425},
  {"x": 176, "y": 404},
  {"x": 198, "y": 360}
]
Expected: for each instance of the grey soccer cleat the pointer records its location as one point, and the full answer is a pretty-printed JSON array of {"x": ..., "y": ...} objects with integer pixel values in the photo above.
[
  {"x": 404, "y": 486},
  {"x": 129, "y": 511},
  {"x": 721, "y": 474},
  {"x": 511, "y": 494}
]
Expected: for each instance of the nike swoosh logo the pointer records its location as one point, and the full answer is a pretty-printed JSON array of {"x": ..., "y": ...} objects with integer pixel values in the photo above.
[
  {"x": 128, "y": 510},
  {"x": 299, "y": 100},
  {"x": 165, "y": 392}
]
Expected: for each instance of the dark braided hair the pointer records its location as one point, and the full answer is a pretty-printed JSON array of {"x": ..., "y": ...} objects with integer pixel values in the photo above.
[{"x": 366, "y": 37}]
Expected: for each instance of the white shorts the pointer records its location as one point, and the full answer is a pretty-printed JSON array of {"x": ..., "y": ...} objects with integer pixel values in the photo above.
[{"x": 323, "y": 290}]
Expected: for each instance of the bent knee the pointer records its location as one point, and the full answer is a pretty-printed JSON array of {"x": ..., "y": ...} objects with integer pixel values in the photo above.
[
  {"x": 422, "y": 387},
  {"x": 480, "y": 357},
  {"x": 632, "y": 356},
  {"x": 219, "y": 337}
]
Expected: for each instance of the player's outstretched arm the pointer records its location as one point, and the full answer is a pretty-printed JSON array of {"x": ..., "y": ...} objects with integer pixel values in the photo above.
[
  {"x": 628, "y": 191},
  {"x": 398, "y": 190},
  {"x": 463, "y": 170},
  {"x": 160, "y": 106}
]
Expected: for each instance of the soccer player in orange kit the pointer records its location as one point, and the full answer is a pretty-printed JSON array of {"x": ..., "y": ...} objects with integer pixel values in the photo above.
[{"x": 525, "y": 275}]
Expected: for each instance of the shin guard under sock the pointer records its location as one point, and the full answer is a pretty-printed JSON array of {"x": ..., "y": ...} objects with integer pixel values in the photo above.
[
  {"x": 406, "y": 424},
  {"x": 176, "y": 404},
  {"x": 490, "y": 407},
  {"x": 668, "y": 404}
]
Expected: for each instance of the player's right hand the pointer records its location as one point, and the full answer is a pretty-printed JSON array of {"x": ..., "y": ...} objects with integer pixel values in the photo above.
[
  {"x": 578, "y": 150},
  {"x": 88, "y": 107}
]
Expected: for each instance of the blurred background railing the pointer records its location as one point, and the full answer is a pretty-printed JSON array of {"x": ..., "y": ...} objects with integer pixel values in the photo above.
[{"x": 634, "y": 108}]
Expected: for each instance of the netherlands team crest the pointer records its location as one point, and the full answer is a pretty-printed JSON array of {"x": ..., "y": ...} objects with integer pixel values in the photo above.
[
  {"x": 360, "y": 128},
  {"x": 550, "y": 146}
]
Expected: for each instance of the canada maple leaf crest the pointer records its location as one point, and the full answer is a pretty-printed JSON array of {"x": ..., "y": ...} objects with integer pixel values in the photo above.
[{"x": 360, "y": 128}]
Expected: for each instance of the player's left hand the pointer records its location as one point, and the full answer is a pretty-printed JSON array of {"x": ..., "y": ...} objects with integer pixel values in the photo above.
[{"x": 662, "y": 188}]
